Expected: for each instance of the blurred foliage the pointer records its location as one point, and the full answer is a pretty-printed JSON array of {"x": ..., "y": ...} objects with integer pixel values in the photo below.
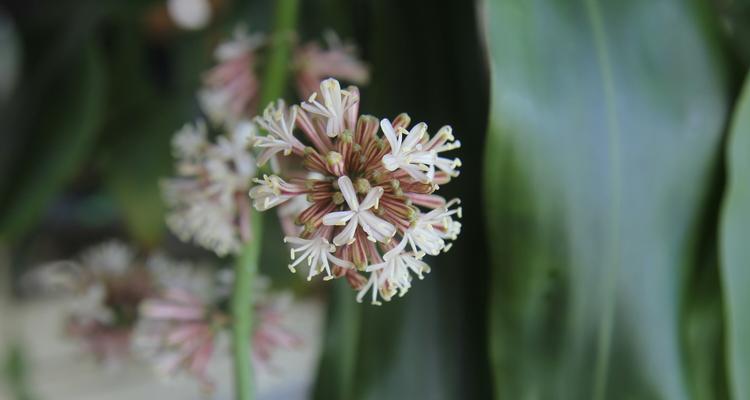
[
  {"x": 16, "y": 373},
  {"x": 63, "y": 133},
  {"x": 735, "y": 252},
  {"x": 605, "y": 135}
]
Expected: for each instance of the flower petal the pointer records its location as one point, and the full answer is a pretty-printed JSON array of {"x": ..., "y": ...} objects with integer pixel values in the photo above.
[
  {"x": 337, "y": 217},
  {"x": 347, "y": 189},
  {"x": 390, "y": 134},
  {"x": 371, "y": 200},
  {"x": 346, "y": 235}
]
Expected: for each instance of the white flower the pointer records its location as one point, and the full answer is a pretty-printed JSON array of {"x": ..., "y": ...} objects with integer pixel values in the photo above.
[
  {"x": 441, "y": 142},
  {"x": 373, "y": 286},
  {"x": 376, "y": 228},
  {"x": 421, "y": 236},
  {"x": 336, "y": 103},
  {"x": 235, "y": 148},
  {"x": 206, "y": 199},
  {"x": 442, "y": 219},
  {"x": 407, "y": 154},
  {"x": 189, "y": 14},
  {"x": 240, "y": 44},
  {"x": 190, "y": 140},
  {"x": 429, "y": 232},
  {"x": 396, "y": 270},
  {"x": 279, "y": 122},
  {"x": 90, "y": 305},
  {"x": 270, "y": 192},
  {"x": 111, "y": 258},
  {"x": 318, "y": 252},
  {"x": 208, "y": 223}
]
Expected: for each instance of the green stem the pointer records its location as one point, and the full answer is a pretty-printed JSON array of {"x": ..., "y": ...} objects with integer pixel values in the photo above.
[
  {"x": 280, "y": 53},
  {"x": 245, "y": 270},
  {"x": 246, "y": 265}
]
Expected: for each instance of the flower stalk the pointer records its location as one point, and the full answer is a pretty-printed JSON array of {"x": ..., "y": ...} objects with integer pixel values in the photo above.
[
  {"x": 246, "y": 264},
  {"x": 246, "y": 270}
]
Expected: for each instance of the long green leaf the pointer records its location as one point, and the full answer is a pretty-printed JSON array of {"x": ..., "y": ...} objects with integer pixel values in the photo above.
[
  {"x": 735, "y": 252},
  {"x": 64, "y": 135},
  {"x": 335, "y": 379},
  {"x": 605, "y": 127}
]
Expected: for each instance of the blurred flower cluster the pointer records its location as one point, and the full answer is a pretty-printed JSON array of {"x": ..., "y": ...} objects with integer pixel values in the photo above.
[
  {"x": 231, "y": 89},
  {"x": 170, "y": 313},
  {"x": 208, "y": 197}
]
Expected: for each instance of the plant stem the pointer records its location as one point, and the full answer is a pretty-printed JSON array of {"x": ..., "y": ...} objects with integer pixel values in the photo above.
[
  {"x": 245, "y": 270},
  {"x": 246, "y": 265},
  {"x": 280, "y": 53}
]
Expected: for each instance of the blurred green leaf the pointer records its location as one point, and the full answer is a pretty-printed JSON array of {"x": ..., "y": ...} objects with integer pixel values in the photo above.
[
  {"x": 52, "y": 49},
  {"x": 735, "y": 18},
  {"x": 16, "y": 372},
  {"x": 10, "y": 57},
  {"x": 140, "y": 158},
  {"x": 64, "y": 134},
  {"x": 339, "y": 355},
  {"x": 144, "y": 112},
  {"x": 735, "y": 252},
  {"x": 605, "y": 131}
]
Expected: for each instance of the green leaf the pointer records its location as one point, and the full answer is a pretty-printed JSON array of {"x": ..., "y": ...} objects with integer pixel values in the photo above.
[
  {"x": 64, "y": 134},
  {"x": 136, "y": 152},
  {"x": 132, "y": 174},
  {"x": 339, "y": 355},
  {"x": 10, "y": 57},
  {"x": 735, "y": 21},
  {"x": 605, "y": 130},
  {"x": 735, "y": 252}
]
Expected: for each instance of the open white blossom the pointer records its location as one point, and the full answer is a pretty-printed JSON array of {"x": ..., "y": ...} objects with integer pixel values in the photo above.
[
  {"x": 319, "y": 255},
  {"x": 407, "y": 154},
  {"x": 278, "y": 122},
  {"x": 396, "y": 271},
  {"x": 376, "y": 228},
  {"x": 336, "y": 103}
]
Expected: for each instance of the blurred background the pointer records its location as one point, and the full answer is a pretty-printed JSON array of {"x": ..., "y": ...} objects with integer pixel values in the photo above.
[{"x": 605, "y": 190}]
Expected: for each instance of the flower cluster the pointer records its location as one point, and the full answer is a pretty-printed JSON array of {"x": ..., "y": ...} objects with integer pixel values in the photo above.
[
  {"x": 314, "y": 63},
  {"x": 108, "y": 284},
  {"x": 207, "y": 199},
  {"x": 182, "y": 326},
  {"x": 171, "y": 313},
  {"x": 372, "y": 207},
  {"x": 231, "y": 89}
]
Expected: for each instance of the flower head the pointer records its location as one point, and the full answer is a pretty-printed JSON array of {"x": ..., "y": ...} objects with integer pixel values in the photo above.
[
  {"x": 107, "y": 285},
  {"x": 206, "y": 199},
  {"x": 183, "y": 325},
  {"x": 314, "y": 63},
  {"x": 231, "y": 88},
  {"x": 370, "y": 205}
]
